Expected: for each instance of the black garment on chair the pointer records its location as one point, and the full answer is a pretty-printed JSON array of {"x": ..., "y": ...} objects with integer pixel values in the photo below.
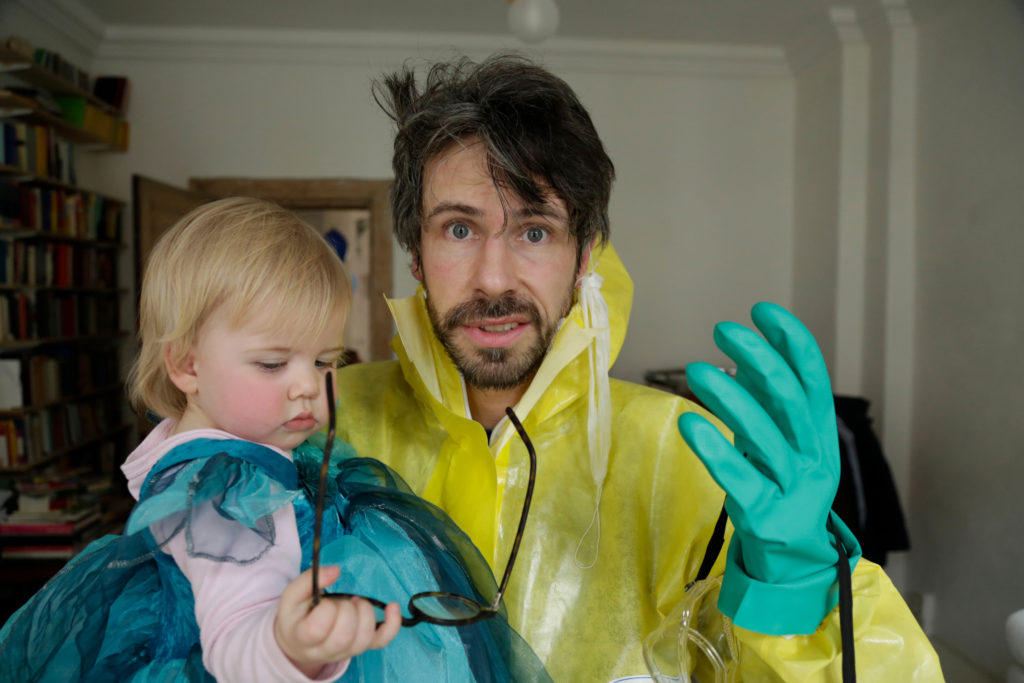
[{"x": 867, "y": 499}]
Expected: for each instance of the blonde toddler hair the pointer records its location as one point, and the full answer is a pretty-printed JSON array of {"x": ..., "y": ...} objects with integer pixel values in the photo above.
[{"x": 239, "y": 257}]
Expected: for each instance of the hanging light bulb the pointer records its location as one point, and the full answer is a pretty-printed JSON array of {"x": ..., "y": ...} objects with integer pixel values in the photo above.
[{"x": 533, "y": 21}]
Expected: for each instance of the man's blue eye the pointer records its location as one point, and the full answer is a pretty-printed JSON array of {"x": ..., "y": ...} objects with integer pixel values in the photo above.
[
  {"x": 459, "y": 231},
  {"x": 536, "y": 235}
]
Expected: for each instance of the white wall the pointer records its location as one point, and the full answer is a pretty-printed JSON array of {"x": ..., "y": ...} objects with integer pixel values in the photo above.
[
  {"x": 877, "y": 209},
  {"x": 969, "y": 389},
  {"x": 816, "y": 198},
  {"x": 701, "y": 210}
]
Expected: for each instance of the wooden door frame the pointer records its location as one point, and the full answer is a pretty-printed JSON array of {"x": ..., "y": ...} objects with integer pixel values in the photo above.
[{"x": 328, "y": 193}]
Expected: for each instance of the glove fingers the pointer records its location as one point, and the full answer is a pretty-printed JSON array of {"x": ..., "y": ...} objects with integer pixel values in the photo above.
[
  {"x": 797, "y": 346},
  {"x": 769, "y": 379},
  {"x": 735, "y": 474},
  {"x": 733, "y": 405},
  {"x": 795, "y": 343}
]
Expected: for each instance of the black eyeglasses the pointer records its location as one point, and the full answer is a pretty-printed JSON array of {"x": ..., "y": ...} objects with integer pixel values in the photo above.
[{"x": 434, "y": 607}]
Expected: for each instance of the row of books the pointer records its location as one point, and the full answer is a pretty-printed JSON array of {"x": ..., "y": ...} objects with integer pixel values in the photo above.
[
  {"x": 29, "y": 316},
  {"x": 37, "y": 150},
  {"x": 61, "y": 67},
  {"x": 56, "y": 264},
  {"x": 63, "y": 212},
  {"x": 112, "y": 90},
  {"x": 83, "y": 114},
  {"x": 28, "y": 439},
  {"x": 56, "y": 374}
]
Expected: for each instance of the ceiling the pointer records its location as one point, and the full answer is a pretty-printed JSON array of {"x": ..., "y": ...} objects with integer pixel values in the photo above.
[{"x": 749, "y": 22}]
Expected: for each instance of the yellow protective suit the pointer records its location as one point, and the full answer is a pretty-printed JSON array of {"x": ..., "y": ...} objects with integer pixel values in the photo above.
[{"x": 586, "y": 600}]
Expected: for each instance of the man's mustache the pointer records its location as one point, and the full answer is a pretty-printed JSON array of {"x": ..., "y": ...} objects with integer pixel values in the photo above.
[{"x": 482, "y": 308}]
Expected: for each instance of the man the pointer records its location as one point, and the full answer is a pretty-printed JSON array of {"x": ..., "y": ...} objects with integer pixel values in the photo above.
[{"x": 501, "y": 194}]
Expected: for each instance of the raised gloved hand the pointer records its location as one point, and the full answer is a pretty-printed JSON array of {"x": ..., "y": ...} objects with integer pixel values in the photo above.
[{"x": 780, "y": 575}]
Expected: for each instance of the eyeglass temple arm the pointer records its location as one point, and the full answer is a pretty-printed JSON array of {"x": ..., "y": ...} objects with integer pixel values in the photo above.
[
  {"x": 526, "y": 506},
  {"x": 322, "y": 487}
]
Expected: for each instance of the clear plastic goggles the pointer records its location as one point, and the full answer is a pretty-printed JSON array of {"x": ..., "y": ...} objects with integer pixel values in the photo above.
[{"x": 695, "y": 643}]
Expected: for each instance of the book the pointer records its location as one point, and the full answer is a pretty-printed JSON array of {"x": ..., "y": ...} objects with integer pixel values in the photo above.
[
  {"x": 42, "y": 148},
  {"x": 62, "y": 551},
  {"x": 72, "y": 515},
  {"x": 112, "y": 90},
  {"x": 12, "y": 431},
  {"x": 21, "y": 144},
  {"x": 10, "y": 144},
  {"x": 31, "y": 157},
  {"x": 49, "y": 496},
  {"x": 48, "y": 524},
  {"x": 10, "y": 207},
  {"x": 50, "y": 547},
  {"x": 6, "y": 456},
  {"x": 11, "y": 393}
]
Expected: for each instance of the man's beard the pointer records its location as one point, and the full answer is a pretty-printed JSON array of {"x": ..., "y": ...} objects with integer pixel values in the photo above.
[{"x": 495, "y": 368}]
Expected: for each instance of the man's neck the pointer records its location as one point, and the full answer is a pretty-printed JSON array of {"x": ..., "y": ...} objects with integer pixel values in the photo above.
[{"x": 488, "y": 405}]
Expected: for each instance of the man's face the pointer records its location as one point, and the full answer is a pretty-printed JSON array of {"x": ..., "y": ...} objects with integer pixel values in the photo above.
[{"x": 499, "y": 275}]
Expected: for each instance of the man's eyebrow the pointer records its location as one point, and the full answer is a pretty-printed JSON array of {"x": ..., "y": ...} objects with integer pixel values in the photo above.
[
  {"x": 544, "y": 210},
  {"x": 454, "y": 207}
]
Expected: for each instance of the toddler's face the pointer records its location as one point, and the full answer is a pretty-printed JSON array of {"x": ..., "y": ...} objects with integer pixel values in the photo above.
[{"x": 263, "y": 386}]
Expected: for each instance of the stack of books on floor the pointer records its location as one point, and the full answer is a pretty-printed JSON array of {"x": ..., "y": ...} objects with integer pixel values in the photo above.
[
  {"x": 47, "y": 536},
  {"x": 54, "y": 520}
]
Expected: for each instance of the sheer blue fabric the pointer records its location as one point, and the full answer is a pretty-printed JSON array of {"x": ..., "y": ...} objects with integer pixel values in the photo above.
[{"x": 123, "y": 611}]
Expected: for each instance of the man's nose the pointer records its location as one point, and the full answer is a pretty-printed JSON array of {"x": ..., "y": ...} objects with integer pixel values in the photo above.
[{"x": 496, "y": 266}]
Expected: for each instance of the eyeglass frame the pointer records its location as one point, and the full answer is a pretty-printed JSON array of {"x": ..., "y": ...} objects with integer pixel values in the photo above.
[{"x": 418, "y": 615}]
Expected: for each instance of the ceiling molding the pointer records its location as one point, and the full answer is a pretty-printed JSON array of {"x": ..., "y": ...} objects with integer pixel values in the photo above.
[
  {"x": 898, "y": 12},
  {"x": 671, "y": 58},
  {"x": 320, "y": 47},
  {"x": 79, "y": 24},
  {"x": 302, "y": 46},
  {"x": 844, "y": 19},
  {"x": 915, "y": 13}
]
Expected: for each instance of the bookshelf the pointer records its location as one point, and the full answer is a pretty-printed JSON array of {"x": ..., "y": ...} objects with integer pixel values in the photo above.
[{"x": 64, "y": 426}]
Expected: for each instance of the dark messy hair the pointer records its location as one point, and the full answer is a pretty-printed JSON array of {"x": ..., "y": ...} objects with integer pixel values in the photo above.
[{"x": 531, "y": 123}]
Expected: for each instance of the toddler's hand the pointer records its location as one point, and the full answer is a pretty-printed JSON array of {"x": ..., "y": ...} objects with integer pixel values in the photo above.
[{"x": 334, "y": 630}]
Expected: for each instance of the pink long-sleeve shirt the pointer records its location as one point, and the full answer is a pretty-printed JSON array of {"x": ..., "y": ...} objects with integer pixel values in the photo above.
[{"x": 235, "y": 604}]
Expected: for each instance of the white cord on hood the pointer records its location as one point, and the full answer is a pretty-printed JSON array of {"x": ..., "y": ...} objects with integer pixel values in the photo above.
[{"x": 595, "y": 317}]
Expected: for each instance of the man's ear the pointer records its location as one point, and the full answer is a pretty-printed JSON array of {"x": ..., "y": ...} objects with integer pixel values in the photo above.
[
  {"x": 585, "y": 260},
  {"x": 415, "y": 268},
  {"x": 181, "y": 369}
]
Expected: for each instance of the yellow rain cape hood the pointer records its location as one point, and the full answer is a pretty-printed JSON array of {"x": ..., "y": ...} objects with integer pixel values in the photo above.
[{"x": 575, "y": 366}]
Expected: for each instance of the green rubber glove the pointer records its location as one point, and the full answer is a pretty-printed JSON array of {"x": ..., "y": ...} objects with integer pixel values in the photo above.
[{"x": 780, "y": 575}]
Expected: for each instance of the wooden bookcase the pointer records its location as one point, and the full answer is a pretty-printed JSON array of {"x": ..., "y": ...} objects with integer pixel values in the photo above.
[{"x": 63, "y": 418}]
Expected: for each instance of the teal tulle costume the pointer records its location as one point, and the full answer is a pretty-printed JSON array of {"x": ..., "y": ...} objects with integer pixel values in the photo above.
[{"x": 122, "y": 610}]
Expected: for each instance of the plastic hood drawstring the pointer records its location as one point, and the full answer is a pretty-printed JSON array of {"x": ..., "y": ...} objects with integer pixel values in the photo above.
[{"x": 595, "y": 317}]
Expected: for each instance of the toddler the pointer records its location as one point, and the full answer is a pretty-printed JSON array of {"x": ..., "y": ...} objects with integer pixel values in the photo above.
[{"x": 242, "y": 314}]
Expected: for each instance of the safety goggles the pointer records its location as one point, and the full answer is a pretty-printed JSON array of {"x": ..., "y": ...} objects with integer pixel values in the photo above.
[
  {"x": 695, "y": 642},
  {"x": 434, "y": 607}
]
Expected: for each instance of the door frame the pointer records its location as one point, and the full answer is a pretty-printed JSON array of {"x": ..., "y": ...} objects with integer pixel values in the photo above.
[{"x": 329, "y": 193}]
